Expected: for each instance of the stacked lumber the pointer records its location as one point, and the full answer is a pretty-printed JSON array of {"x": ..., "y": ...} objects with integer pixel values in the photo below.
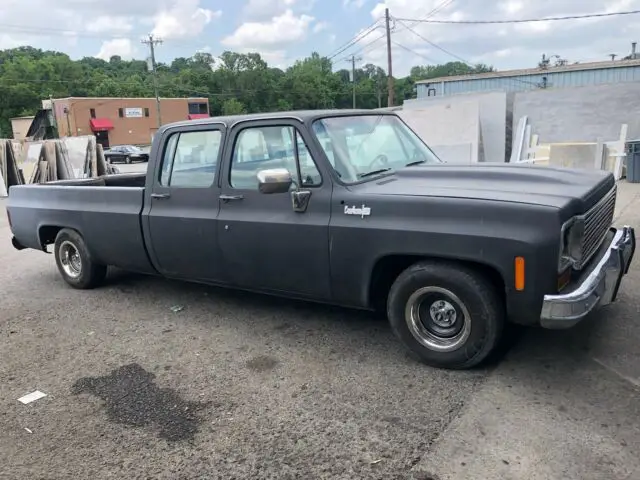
[{"x": 48, "y": 160}]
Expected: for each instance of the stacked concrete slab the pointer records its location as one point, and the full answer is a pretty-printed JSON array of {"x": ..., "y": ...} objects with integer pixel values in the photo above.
[{"x": 463, "y": 128}]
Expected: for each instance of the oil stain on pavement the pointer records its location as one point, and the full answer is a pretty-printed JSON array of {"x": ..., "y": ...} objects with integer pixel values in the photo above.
[{"x": 132, "y": 398}]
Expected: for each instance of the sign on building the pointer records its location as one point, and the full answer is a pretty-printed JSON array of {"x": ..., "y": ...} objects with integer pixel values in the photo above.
[{"x": 133, "y": 112}]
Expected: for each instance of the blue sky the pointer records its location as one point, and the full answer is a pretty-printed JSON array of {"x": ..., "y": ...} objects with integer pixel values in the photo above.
[{"x": 285, "y": 30}]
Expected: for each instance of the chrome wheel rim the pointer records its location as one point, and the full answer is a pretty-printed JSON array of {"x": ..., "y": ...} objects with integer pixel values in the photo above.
[
  {"x": 438, "y": 319},
  {"x": 70, "y": 259}
]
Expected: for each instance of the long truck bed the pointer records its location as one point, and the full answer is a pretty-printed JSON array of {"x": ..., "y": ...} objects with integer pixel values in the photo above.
[{"x": 107, "y": 210}]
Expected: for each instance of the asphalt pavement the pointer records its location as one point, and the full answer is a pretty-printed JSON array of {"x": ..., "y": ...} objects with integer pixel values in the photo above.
[{"x": 147, "y": 378}]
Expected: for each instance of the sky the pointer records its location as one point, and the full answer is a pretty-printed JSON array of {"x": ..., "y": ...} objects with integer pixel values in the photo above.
[{"x": 286, "y": 30}]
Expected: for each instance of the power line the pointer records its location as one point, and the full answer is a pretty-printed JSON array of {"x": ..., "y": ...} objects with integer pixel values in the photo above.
[
  {"x": 442, "y": 49},
  {"x": 525, "y": 20},
  {"x": 357, "y": 38},
  {"x": 413, "y": 51},
  {"x": 435, "y": 45},
  {"x": 366, "y": 47}
]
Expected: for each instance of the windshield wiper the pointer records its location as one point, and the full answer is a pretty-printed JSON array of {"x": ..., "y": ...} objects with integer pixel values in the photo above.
[
  {"x": 417, "y": 162},
  {"x": 373, "y": 172}
]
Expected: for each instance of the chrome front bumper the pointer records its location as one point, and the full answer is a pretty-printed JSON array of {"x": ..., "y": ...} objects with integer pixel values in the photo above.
[{"x": 598, "y": 288}]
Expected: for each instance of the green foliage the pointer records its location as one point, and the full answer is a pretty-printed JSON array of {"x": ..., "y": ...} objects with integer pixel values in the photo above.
[
  {"x": 233, "y": 107},
  {"x": 234, "y": 83}
]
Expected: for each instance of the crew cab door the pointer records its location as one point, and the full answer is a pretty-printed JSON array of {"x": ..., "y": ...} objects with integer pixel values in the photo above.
[
  {"x": 182, "y": 208},
  {"x": 265, "y": 243}
]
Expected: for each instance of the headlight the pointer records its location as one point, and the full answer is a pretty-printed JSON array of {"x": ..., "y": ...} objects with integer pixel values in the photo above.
[{"x": 571, "y": 236}]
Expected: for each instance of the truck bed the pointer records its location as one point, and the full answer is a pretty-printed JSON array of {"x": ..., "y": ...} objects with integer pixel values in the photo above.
[{"x": 106, "y": 210}]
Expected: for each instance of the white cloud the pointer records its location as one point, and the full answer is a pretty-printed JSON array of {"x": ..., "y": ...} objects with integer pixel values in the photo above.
[
  {"x": 265, "y": 9},
  {"x": 512, "y": 6},
  {"x": 261, "y": 10},
  {"x": 185, "y": 18},
  {"x": 353, "y": 3},
  {"x": 118, "y": 46},
  {"x": 280, "y": 31},
  {"x": 320, "y": 26},
  {"x": 109, "y": 24}
]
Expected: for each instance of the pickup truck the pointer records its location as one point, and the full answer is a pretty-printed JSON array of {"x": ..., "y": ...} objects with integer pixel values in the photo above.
[{"x": 347, "y": 207}]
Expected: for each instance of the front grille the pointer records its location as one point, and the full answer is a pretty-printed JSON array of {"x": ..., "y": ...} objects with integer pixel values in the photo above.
[{"x": 597, "y": 222}]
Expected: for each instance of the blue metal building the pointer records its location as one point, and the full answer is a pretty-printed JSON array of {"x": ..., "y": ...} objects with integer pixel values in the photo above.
[{"x": 574, "y": 75}]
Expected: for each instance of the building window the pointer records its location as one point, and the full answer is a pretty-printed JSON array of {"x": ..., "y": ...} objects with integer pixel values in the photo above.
[
  {"x": 146, "y": 112},
  {"x": 198, "y": 109},
  {"x": 92, "y": 112},
  {"x": 121, "y": 112}
]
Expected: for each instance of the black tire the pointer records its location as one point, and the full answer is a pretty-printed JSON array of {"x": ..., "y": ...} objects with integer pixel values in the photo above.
[
  {"x": 127, "y": 159},
  {"x": 75, "y": 263},
  {"x": 440, "y": 339}
]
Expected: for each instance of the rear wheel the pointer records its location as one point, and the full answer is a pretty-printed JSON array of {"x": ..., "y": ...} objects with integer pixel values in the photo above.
[
  {"x": 127, "y": 159},
  {"x": 74, "y": 262},
  {"x": 449, "y": 315}
]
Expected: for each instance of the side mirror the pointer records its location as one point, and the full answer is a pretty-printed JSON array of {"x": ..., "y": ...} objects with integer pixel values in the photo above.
[{"x": 275, "y": 180}]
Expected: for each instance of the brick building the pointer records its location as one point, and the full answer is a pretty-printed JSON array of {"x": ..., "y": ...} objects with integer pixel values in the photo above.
[{"x": 121, "y": 121}]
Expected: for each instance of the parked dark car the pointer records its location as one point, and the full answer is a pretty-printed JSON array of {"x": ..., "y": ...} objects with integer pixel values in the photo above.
[
  {"x": 349, "y": 208},
  {"x": 126, "y": 154}
]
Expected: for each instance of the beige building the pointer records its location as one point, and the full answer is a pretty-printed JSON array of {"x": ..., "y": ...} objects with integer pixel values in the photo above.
[
  {"x": 20, "y": 127},
  {"x": 121, "y": 121}
]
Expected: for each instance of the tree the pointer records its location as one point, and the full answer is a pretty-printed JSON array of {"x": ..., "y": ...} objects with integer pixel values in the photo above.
[
  {"x": 233, "y": 107},
  {"x": 234, "y": 82}
]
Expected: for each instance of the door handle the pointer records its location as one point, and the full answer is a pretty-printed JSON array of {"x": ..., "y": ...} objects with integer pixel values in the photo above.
[
  {"x": 160, "y": 195},
  {"x": 227, "y": 198}
]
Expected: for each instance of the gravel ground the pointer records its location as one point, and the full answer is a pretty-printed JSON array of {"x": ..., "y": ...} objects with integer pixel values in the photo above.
[{"x": 148, "y": 378}]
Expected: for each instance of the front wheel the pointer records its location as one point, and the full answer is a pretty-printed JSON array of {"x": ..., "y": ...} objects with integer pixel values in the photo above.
[
  {"x": 127, "y": 160},
  {"x": 74, "y": 262},
  {"x": 449, "y": 315}
]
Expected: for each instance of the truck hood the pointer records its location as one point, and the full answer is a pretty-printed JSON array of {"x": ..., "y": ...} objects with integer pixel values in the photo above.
[{"x": 562, "y": 188}]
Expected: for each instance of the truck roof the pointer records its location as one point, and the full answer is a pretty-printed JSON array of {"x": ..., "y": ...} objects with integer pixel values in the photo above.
[{"x": 303, "y": 116}]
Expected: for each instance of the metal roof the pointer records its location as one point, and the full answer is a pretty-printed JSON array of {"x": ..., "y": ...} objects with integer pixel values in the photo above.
[
  {"x": 124, "y": 98},
  {"x": 534, "y": 71},
  {"x": 300, "y": 115}
]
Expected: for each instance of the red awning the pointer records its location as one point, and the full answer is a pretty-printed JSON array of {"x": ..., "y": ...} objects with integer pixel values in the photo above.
[
  {"x": 195, "y": 116},
  {"x": 100, "y": 124}
]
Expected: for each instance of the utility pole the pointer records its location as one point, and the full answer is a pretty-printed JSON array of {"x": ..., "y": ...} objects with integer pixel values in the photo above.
[
  {"x": 152, "y": 42},
  {"x": 353, "y": 77},
  {"x": 389, "y": 66}
]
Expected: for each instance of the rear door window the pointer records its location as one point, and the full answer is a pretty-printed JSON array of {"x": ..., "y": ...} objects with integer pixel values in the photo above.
[{"x": 190, "y": 159}]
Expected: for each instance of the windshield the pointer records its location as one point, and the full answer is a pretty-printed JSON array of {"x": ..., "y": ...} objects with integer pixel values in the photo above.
[{"x": 362, "y": 146}]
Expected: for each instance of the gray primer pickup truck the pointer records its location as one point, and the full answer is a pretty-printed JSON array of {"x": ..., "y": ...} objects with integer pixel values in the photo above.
[{"x": 349, "y": 208}]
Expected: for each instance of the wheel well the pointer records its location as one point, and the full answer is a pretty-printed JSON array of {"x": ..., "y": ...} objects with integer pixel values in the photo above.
[
  {"x": 47, "y": 235},
  {"x": 387, "y": 269}
]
